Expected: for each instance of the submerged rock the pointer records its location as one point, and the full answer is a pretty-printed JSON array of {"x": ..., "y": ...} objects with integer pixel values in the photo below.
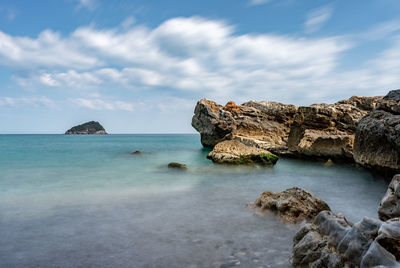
[
  {"x": 292, "y": 205},
  {"x": 377, "y": 140},
  {"x": 235, "y": 152},
  {"x": 177, "y": 166},
  {"x": 91, "y": 127},
  {"x": 390, "y": 204},
  {"x": 137, "y": 153}
]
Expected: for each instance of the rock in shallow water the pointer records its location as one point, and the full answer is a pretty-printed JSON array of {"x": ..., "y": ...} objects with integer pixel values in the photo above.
[
  {"x": 390, "y": 203},
  {"x": 235, "y": 152},
  {"x": 292, "y": 205},
  {"x": 331, "y": 241},
  {"x": 177, "y": 166}
]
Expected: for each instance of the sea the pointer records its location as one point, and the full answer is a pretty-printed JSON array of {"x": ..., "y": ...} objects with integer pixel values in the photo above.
[{"x": 86, "y": 201}]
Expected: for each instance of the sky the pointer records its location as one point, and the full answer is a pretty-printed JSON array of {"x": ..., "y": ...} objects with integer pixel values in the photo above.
[{"x": 140, "y": 66}]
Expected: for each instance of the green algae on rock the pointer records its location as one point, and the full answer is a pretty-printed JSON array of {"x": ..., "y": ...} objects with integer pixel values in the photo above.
[
  {"x": 177, "y": 166},
  {"x": 235, "y": 152}
]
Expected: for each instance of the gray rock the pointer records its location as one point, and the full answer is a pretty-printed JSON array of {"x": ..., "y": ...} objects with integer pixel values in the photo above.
[
  {"x": 331, "y": 241},
  {"x": 377, "y": 141},
  {"x": 390, "y": 203}
]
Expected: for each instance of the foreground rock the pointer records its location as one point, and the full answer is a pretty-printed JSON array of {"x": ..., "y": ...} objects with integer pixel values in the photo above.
[
  {"x": 263, "y": 124},
  {"x": 177, "y": 166},
  {"x": 292, "y": 205},
  {"x": 390, "y": 204},
  {"x": 235, "y": 152},
  {"x": 327, "y": 130},
  {"x": 377, "y": 139},
  {"x": 331, "y": 241},
  {"x": 91, "y": 127}
]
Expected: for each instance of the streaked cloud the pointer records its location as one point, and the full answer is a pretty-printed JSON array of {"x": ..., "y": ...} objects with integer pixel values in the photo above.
[
  {"x": 317, "y": 18},
  {"x": 258, "y": 2},
  {"x": 88, "y": 4},
  {"x": 27, "y": 101},
  {"x": 99, "y": 104}
]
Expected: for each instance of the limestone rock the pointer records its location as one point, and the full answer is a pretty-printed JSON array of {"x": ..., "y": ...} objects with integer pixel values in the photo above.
[
  {"x": 377, "y": 139},
  {"x": 91, "y": 127},
  {"x": 331, "y": 241},
  {"x": 235, "y": 152},
  {"x": 327, "y": 130},
  {"x": 265, "y": 122},
  {"x": 292, "y": 205},
  {"x": 390, "y": 203}
]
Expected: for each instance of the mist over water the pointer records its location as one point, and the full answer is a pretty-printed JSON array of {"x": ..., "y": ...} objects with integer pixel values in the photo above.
[{"x": 85, "y": 201}]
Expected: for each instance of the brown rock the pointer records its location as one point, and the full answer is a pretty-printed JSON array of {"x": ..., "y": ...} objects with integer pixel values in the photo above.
[{"x": 292, "y": 205}]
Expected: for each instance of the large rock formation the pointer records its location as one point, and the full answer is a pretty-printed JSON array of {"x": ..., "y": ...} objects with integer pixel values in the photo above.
[
  {"x": 91, "y": 127},
  {"x": 292, "y": 205},
  {"x": 261, "y": 124},
  {"x": 322, "y": 130},
  {"x": 390, "y": 203},
  {"x": 377, "y": 139},
  {"x": 331, "y": 241},
  {"x": 327, "y": 130},
  {"x": 235, "y": 152}
]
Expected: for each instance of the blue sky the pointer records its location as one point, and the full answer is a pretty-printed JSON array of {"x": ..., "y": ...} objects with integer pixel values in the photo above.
[{"x": 140, "y": 66}]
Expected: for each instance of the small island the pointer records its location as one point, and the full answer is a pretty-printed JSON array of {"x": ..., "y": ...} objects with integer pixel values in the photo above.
[{"x": 92, "y": 127}]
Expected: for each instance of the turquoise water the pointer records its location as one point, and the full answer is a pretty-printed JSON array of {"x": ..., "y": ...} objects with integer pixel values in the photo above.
[{"x": 85, "y": 201}]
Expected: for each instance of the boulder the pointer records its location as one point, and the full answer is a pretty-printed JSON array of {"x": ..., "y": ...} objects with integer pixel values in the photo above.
[
  {"x": 292, "y": 205},
  {"x": 390, "y": 204},
  {"x": 91, "y": 127},
  {"x": 136, "y": 153},
  {"x": 377, "y": 139},
  {"x": 235, "y": 152},
  {"x": 331, "y": 241},
  {"x": 175, "y": 165},
  {"x": 266, "y": 124}
]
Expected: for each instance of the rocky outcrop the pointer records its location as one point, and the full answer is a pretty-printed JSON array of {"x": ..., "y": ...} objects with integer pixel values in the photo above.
[
  {"x": 390, "y": 204},
  {"x": 91, "y": 127},
  {"x": 319, "y": 130},
  {"x": 331, "y": 241},
  {"x": 235, "y": 152},
  {"x": 264, "y": 124},
  {"x": 377, "y": 139},
  {"x": 292, "y": 205},
  {"x": 327, "y": 130}
]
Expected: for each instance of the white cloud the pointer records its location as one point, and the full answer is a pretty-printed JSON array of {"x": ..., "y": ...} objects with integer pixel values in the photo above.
[
  {"x": 27, "y": 101},
  {"x": 317, "y": 18},
  {"x": 194, "y": 57},
  {"x": 99, "y": 104},
  {"x": 88, "y": 4},
  {"x": 258, "y": 2}
]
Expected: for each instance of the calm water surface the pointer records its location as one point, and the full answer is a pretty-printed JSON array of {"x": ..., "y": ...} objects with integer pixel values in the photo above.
[{"x": 84, "y": 201}]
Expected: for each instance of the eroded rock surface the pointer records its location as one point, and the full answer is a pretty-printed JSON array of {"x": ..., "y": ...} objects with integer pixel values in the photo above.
[
  {"x": 321, "y": 130},
  {"x": 390, "y": 203},
  {"x": 377, "y": 139},
  {"x": 292, "y": 205},
  {"x": 331, "y": 241},
  {"x": 235, "y": 152},
  {"x": 265, "y": 124},
  {"x": 327, "y": 130}
]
